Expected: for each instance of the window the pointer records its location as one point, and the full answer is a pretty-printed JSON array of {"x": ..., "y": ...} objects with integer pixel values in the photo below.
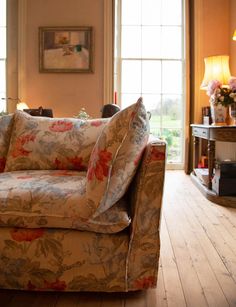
[
  {"x": 149, "y": 62},
  {"x": 2, "y": 55}
]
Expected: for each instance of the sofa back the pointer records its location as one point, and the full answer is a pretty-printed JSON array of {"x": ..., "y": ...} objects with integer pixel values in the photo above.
[
  {"x": 6, "y": 122},
  {"x": 42, "y": 143}
]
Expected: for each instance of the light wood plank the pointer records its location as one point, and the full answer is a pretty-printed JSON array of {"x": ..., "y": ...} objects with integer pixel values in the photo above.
[
  {"x": 221, "y": 245},
  {"x": 192, "y": 289},
  {"x": 175, "y": 296},
  {"x": 226, "y": 282},
  {"x": 212, "y": 290},
  {"x": 160, "y": 290}
]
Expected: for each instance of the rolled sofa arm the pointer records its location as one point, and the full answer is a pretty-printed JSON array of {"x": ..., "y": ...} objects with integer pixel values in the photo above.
[{"x": 146, "y": 202}]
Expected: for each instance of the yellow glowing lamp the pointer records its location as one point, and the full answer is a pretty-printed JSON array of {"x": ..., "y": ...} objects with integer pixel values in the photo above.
[
  {"x": 22, "y": 106},
  {"x": 234, "y": 36},
  {"x": 216, "y": 68}
]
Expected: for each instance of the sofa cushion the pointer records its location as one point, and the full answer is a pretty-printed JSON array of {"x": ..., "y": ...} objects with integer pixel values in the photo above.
[
  {"x": 42, "y": 143},
  {"x": 5, "y": 134},
  {"x": 53, "y": 199},
  {"x": 115, "y": 156}
]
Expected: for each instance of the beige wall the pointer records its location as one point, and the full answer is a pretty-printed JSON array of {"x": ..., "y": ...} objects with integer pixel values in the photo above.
[
  {"x": 215, "y": 21},
  {"x": 211, "y": 31},
  {"x": 65, "y": 93},
  {"x": 232, "y": 43}
]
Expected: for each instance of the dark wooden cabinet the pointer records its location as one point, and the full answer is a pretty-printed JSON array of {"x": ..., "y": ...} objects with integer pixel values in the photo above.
[{"x": 211, "y": 134}]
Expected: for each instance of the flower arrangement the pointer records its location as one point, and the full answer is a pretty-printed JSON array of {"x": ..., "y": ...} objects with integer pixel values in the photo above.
[
  {"x": 83, "y": 115},
  {"x": 222, "y": 95}
]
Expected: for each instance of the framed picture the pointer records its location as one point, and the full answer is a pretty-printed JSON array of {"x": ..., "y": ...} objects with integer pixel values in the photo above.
[{"x": 66, "y": 49}]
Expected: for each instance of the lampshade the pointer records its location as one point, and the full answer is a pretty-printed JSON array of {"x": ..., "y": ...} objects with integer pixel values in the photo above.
[
  {"x": 216, "y": 68},
  {"x": 234, "y": 36},
  {"x": 21, "y": 106}
]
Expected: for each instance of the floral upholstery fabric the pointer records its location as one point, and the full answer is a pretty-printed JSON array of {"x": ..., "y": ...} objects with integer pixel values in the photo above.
[
  {"x": 115, "y": 157},
  {"x": 42, "y": 143},
  {"x": 74, "y": 260},
  {"x": 144, "y": 246},
  {"x": 5, "y": 134},
  {"x": 53, "y": 199},
  {"x": 62, "y": 260}
]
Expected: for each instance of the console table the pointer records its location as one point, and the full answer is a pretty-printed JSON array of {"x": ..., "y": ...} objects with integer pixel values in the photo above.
[{"x": 212, "y": 134}]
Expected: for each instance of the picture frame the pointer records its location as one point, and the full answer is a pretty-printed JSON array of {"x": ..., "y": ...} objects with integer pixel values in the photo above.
[{"x": 66, "y": 49}]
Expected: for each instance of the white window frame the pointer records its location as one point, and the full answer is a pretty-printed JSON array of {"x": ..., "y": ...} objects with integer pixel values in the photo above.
[{"x": 118, "y": 62}]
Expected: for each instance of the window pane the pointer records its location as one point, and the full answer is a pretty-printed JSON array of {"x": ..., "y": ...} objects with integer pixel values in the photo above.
[
  {"x": 171, "y": 42},
  {"x": 2, "y": 43},
  {"x": 131, "y": 12},
  {"x": 151, "y": 77},
  {"x": 2, "y": 76},
  {"x": 151, "y": 42},
  {"x": 172, "y": 111},
  {"x": 128, "y": 99},
  {"x": 2, "y": 102},
  {"x": 154, "y": 128},
  {"x": 3, "y": 13},
  {"x": 152, "y": 103},
  {"x": 131, "y": 42},
  {"x": 131, "y": 77},
  {"x": 171, "y": 12},
  {"x": 173, "y": 137},
  {"x": 151, "y": 12},
  {"x": 172, "y": 77}
]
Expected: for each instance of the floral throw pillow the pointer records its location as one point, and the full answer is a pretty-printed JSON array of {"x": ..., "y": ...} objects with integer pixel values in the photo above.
[
  {"x": 5, "y": 135},
  {"x": 115, "y": 156},
  {"x": 42, "y": 143}
]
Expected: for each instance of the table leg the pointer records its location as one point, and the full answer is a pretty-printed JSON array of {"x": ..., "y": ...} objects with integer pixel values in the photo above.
[
  {"x": 196, "y": 152},
  {"x": 211, "y": 161}
]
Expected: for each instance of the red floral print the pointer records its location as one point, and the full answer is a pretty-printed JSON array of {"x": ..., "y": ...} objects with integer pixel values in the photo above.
[
  {"x": 157, "y": 155},
  {"x": 24, "y": 177},
  {"x": 20, "y": 142},
  {"x": 145, "y": 282},
  {"x": 57, "y": 285},
  {"x": 28, "y": 235},
  {"x": 77, "y": 163},
  {"x": 30, "y": 286},
  {"x": 96, "y": 123},
  {"x": 98, "y": 164},
  {"x": 61, "y": 173},
  {"x": 60, "y": 165},
  {"x": 61, "y": 126},
  {"x": 2, "y": 164}
]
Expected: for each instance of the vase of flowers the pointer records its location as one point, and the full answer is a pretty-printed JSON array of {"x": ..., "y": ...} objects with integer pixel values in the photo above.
[{"x": 221, "y": 98}]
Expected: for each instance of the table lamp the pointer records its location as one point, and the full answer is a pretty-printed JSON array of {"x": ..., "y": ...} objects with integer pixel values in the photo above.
[
  {"x": 216, "y": 68},
  {"x": 234, "y": 36},
  {"x": 217, "y": 72},
  {"x": 21, "y": 106}
]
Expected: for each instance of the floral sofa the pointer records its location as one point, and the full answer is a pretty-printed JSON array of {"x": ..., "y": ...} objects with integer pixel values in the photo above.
[{"x": 80, "y": 202}]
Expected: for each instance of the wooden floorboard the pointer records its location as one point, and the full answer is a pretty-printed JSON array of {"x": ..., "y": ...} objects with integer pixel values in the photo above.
[{"x": 197, "y": 265}]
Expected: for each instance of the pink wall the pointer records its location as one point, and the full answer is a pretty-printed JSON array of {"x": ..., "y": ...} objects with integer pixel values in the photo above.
[{"x": 65, "y": 93}]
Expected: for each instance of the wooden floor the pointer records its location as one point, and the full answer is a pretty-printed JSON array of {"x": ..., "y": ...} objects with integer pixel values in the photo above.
[{"x": 198, "y": 259}]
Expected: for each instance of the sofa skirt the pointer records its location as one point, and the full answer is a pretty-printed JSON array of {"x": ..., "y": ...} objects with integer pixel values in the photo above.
[{"x": 62, "y": 260}]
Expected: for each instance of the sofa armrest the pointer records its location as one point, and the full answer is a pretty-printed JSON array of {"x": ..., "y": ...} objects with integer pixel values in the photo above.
[{"x": 146, "y": 202}]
